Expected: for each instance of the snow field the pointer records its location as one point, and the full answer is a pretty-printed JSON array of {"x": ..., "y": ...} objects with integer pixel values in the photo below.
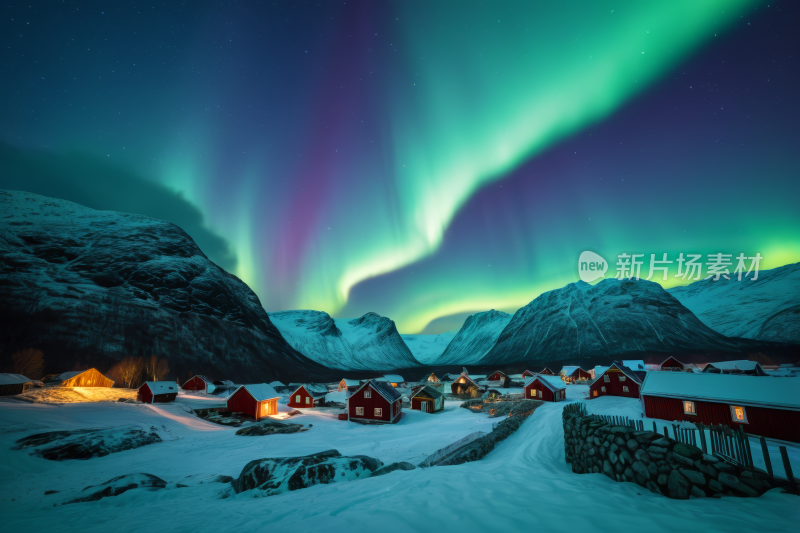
[{"x": 523, "y": 484}]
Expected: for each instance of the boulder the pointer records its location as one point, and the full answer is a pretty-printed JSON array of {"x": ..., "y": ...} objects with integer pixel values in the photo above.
[
  {"x": 632, "y": 445},
  {"x": 642, "y": 455},
  {"x": 678, "y": 486},
  {"x": 641, "y": 469},
  {"x": 269, "y": 427},
  {"x": 86, "y": 443},
  {"x": 117, "y": 486},
  {"x": 687, "y": 450},
  {"x": 733, "y": 482},
  {"x": 283, "y": 474},
  {"x": 392, "y": 467},
  {"x": 697, "y": 478}
]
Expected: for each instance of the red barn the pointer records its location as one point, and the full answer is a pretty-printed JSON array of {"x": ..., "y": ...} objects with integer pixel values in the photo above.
[
  {"x": 672, "y": 364},
  {"x": 375, "y": 401},
  {"x": 497, "y": 375},
  {"x": 199, "y": 383},
  {"x": 157, "y": 392},
  {"x": 617, "y": 380},
  {"x": 767, "y": 407},
  {"x": 546, "y": 388},
  {"x": 308, "y": 396},
  {"x": 256, "y": 400}
]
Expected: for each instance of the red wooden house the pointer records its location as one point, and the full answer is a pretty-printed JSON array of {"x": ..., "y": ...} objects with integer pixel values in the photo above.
[
  {"x": 199, "y": 383},
  {"x": 308, "y": 396},
  {"x": 574, "y": 373},
  {"x": 546, "y": 388},
  {"x": 767, "y": 407},
  {"x": 672, "y": 364},
  {"x": 257, "y": 400},
  {"x": 497, "y": 375},
  {"x": 375, "y": 401},
  {"x": 617, "y": 380},
  {"x": 157, "y": 392}
]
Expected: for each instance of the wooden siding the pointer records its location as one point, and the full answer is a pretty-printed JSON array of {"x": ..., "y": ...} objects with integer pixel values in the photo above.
[
  {"x": 196, "y": 383},
  {"x": 434, "y": 404},
  {"x": 772, "y": 423},
  {"x": 547, "y": 394},
  {"x": 389, "y": 412},
  {"x": 614, "y": 385},
  {"x": 243, "y": 402},
  {"x": 671, "y": 363},
  {"x": 304, "y": 397},
  {"x": 89, "y": 378},
  {"x": 145, "y": 395},
  {"x": 15, "y": 388}
]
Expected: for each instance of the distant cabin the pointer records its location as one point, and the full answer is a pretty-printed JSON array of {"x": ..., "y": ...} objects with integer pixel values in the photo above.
[
  {"x": 394, "y": 380},
  {"x": 765, "y": 407},
  {"x": 428, "y": 400},
  {"x": 528, "y": 373},
  {"x": 349, "y": 384},
  {"x": 574, "y": 373},
  {"x": 501, "y": 377},
  {"x": 430, "y": 378},
  {"x": 637, "y": 365},
  {"x": 545, "y": 388},
  {"x": 308, "y": 396},
  {"x": 672, "y": 364},
  {"x": 547, "y": 372},
  {"x": 199, "y": 383},
  {"x": 157, "y": 392},
  {"x": 750, "y": 368},
  {"x": 11, "y": 384},
  {"x": 617, "y": 380},
  {"x": 375, "y": 401},
  {"x": 257, "y": 400},
  {"x": 465, "y": 386},
  {"x": 79, "y": 378}
]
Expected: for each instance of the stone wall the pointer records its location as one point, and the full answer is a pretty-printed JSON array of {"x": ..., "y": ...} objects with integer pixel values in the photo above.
[{"x": 658, "y": 463}]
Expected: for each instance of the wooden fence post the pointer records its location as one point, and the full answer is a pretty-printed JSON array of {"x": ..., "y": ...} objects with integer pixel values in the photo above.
[
  {"x": 665, "y": 432},
  {"x": 787, "y": 467},
  {"x": 767, "y": 462},
  {"x": 655, "y": 428}
]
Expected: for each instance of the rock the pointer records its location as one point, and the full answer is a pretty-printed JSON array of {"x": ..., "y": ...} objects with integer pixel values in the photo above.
[
  {"x": 117, "y": 486},
  {"x": 657, "y": 449},
  {"x": 653, "y": 487},
  {"x": 392, "y": 467},
  {"x": 613, "y": 448},
  {"x": 608, "y": 469},
  {"x": 282, "y": 474},
  {"x": 653, "y": 469},
  {"x": 625, "y": 457},
  {"x": 696, "y": 478},
  {"x": 697, "y": 492},
  {"x": 478, "y": 448},
  {"x": 733, "y": 482},
  {"x": 435, "y": 458},
  {"x": 628, "y": 473},
  {"x": 640, "y": 468},
  {"x": 632, "y": 445},
  {"x": 678, "y": 486},
  {"x": 642, "y": 455},
  {"x": 710, "y": 458},
  {"x": 218, "y": 479},
  {"x": 597, "y": 441},
  {"x": 706, "y": 469},
  {"x": 86, "y": 443},
  {"x": 682, "y": 459},
  {"x": 715, "y": 486},
  {"x": 592, "y": 451},
  {"x": 662, "y": 479},
  {"x": 218, "y": 417},
  {"x": 269, "y": 427},
  {"x": 619, "y": 441},
  {"x": 612, "y": 457},
  {"x": 755, "y": 484},
  {"x": 687, "y": 450}
]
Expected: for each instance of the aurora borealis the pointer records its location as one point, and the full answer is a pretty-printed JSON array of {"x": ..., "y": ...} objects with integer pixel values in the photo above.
[{"x": 423, "y": 160}]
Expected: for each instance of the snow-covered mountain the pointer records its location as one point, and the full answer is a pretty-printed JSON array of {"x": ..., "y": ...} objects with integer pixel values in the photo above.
[
  {"x": 370, "y": 342},
  {"x": 427, "y": 348},
  {"x": 612, "y": 317},
  {"x": 475, "y": 338},
  {"x": 766, "y": 309},
  {"x": 91, "y": 287}
]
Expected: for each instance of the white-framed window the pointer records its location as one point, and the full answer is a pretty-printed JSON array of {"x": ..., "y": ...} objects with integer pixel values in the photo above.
[
  {"x": 367, "y": 394},
  {"x": 308, "y": 400},
  {"x": 622, "y": 378},
  {"x": 607, "y": 378},
  {"x": 602, "y": 389},
  {"x": 359, "y": 411},
  {"x": 540, "y": 394},
  {"x": 739, "y": 414},
  {"x": 689, "y": 408},
  {"x": 378, "y": 411},
  {"x": 625, "y": 389},
  {"x": 297, "y": 398}
]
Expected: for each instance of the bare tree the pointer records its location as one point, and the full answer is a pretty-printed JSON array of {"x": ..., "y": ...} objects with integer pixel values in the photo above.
[
  {"x": 128, "y": 372},
  {"x": 155, "y": 368},
  {"x": 28, "y": 362}
]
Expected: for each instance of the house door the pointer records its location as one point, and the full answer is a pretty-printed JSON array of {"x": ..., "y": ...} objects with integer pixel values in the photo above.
[{"x": 424, "y": 406}]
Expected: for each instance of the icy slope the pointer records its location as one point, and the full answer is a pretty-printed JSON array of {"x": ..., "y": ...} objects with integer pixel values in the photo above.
[
  {"x": 475, "y": 338},
  {"x": 91, "y": 287},
  {"x": 612, "y": 317},
  {"x": 427, "y": 348},
  {"x": 766, "y": 309},
  {"x": 370, "y": 342}
]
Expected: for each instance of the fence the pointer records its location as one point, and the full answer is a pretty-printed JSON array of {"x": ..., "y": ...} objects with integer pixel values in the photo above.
[{"x": 638, "y": 425}]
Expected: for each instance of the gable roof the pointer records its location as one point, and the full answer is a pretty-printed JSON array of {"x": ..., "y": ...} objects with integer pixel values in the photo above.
[
  {"x": 668, "y": 358},
  {"x": 259, "y": 391},
  {"x": 743, "y": 365},
  {"x": 64, "y": 376},
  {"x": 315, "y": 391},
  {"x": 622, "y": 368},
  {"x": 469, "y": 378},
  {"x": 568, "y": 370},
  {"x": 388, "y": 392},
  {"x": 391, "y": 378},
  {"x": 551, "y": 382},
  {"x": 634, "y": 364},
  {"x": 161, "y": 387},
  {"x": 351, "y": 382},
  {"x": 427, "y": 376},
  {"x": 205, "y": 379},
  {"x": 430, "y": 391},
  {"x": 13, "y": 379},
  {"x": 497, "y": 372},
  {"x": 724, "y": 388}
]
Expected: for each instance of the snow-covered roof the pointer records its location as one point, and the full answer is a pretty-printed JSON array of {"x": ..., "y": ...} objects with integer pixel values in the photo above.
[
  {"x": 516, "y": 377},
  {"x": 622, "y": 368},
  {"x": 743, "y": 365},
  {"x": 551, "y": 382},
  {"x": 498, "y": 372},
  {"x": 724, "y": 388},
  {"x": 351, "y": 382},
  {"x": 599, "y": 370},
  {"x": 568, "y": 370},
  {"x": 315, "y": 391},
  {"x": 276, "y": 384},
  {"x": 13, "y": 379},
  {"x": 430, "y": 391},
  {"x": 428, "y": 375},
  {"x": 259, "y": 391},
  {"x": 476, "y": 377},
  {"x": 392, "y": 378},
  {"x": 162, "y": 387},
  {"x": 469, "y": 378},
  {"x": 388, "y": 392},
  {"x": 634, "y": 364}
]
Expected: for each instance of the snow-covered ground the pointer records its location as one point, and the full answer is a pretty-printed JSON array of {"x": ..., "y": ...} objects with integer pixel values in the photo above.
[
  {"x": 427, "y": 348},
  {"x": 523, "y": 484}
]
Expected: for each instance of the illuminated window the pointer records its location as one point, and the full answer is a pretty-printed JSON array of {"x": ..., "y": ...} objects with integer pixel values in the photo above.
[
  {"x": 688, "y": 408},
  {"x": 297, "y": 398},
  {"x": 533, "y": 393},
  {"x": 625, "y": 389},
  {"x": 602, "y": 389},
  {"x": 739, "y": 414},
  {"x": 462, "y": 380},
  {"x": 308, "y": 400},
  {"x": 378, "y": 411},
  {"x": 606, "y": 378},
  {"x": 594, "y": 393},
  {"x": 360, "y": 411},
  {"x": 367, "y": 394},
  {"x": 622, "y": 378}
]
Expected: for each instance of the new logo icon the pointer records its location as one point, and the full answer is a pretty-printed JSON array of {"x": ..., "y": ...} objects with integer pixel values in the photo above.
[{"x": 591, "y": 266}]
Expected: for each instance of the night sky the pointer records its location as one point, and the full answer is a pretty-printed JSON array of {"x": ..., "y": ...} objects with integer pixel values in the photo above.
[{"x": 421, "y": 159}]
